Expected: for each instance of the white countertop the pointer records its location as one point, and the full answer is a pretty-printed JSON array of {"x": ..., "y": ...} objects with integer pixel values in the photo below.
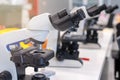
[{"x": 92, "y": 69}]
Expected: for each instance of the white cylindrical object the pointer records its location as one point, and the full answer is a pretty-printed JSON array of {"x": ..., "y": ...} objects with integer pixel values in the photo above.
[{"x": 40, "y": 22}]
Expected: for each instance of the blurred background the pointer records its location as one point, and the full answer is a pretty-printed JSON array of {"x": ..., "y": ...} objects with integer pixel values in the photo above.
[{"x": 16, "y": 13}]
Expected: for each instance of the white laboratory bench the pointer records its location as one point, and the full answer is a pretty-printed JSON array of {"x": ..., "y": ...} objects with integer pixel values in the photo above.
[{"x": 92, "y": 69}]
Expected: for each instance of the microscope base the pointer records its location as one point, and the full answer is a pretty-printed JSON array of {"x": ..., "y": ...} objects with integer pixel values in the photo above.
[
  {"x": 90, "y": 46},
  {"x": 66, "y": 63}
]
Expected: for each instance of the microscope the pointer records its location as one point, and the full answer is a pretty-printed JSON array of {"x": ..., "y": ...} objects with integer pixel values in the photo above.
[
  {"x": 14, "y": 58},
  {"x": 92, "y": 26},
  {"x": 108, "y": 16},
  {"x": 68, "y": 45},
  {"x": 113, "y": 21}
]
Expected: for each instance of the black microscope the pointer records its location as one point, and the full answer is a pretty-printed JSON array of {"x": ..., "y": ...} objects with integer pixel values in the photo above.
[
  {"x": 31, "y": 57},
  {"x": 68, "y": 44}
]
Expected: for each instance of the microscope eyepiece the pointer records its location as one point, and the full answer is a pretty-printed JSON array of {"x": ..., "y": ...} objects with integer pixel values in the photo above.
[
  {"x": 62, "y": 20},
  {"x": 63, "y": 13},
  {"x": 112, "y": 9},
  {"x": 116, "y": 7},
  {"x": 78, "y": 15},
  {"x": 95, "y": 10}
]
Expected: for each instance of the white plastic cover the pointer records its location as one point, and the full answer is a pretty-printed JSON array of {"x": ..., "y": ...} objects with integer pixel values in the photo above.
[{"x": 40, "y": 22}]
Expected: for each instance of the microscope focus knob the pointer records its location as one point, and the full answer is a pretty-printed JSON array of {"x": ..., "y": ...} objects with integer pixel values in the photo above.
[
  {"x": 39, "y": 77},
  {"x": 5, "y": 75}
]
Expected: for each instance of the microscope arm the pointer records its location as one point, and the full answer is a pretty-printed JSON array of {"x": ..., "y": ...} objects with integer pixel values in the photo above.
[{"x": 91, "y": 12}]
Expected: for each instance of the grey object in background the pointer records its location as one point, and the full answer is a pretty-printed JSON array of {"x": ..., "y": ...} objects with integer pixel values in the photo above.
[
  {"x": 114, "y": 2},
  {"x": 52, "y": 6},
  {"x": 11, "y": 16}
]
